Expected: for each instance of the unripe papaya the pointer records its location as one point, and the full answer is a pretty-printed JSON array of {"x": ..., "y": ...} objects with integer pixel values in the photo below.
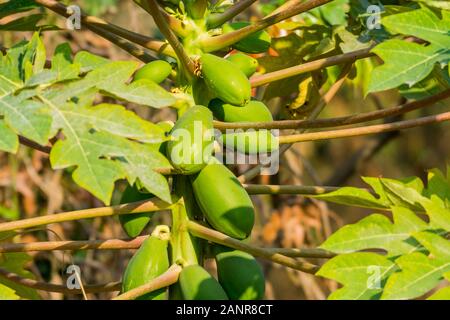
[
  {"x": 247, "y": 64},
  {"x": 197, "y": 284},
  {"x": 225, "y": 80},
  {"x": 254, "y": 111},
  {"x": 156, "y": 71},
  {"x": 223, "y": 201},
  {"x": 134, "y": 224},
  {"x": 192, "y": 140},
  {"x": 200, "y": 92},
  {"x": 240, "y": 275},
  {"x": 250, "y": 141},
  {"x": 256, "y": 42},
  {"x": 150, "y": 261}
]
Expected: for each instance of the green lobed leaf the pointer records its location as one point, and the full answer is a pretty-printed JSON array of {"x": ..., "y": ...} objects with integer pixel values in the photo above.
[
  {"x": 15, "y": 263},
  {"x": 16, "y": 6},
  {"x": 377, "y": 232},
  {"x": 421, "y": 23},
  {"x": 443, "y": 293},
  {"x": 9, "y": 141},
  {"x": 354, "y": 197},
  {"x": 362, "y": 275},
  {"x": 419, "y": 273}
]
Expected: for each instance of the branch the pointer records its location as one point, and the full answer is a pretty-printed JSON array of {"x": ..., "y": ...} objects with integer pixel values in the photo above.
[
  {"x": 166, "y": 279},
  {"x": 155, "y": 11},
  {"x": 111, "y": 244},
  {"x": 303, "y": 253},
  {"x": 362, "y": 131},
  {"x": 108, "y": 30},
  {"x": 220, "y": 238},
  {"x": 120, "y": 244},
  {"x": 260, "y": 80},
  {"x": 217, "y": 19},
  {"x": 339, "y": 121},
  {"x": 150, "y": 205},
  {"x": 50, "y": 287},
  {"x": 34, "y": 145},
  {"x": 226, "y": 40},
  {"x": 287, "y": 189}
]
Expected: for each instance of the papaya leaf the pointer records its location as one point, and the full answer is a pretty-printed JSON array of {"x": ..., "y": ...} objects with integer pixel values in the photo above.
[
  {"x": 8, "y": 141},
  {"x": 423, "y": 24},
  {"x": 419, "y": 273},
  {"x": 362, "y": 275},
  {"x": 437, "y": 185},
  {"x": 437, "y": 81},
  {"x": 417, "y": 60},
  {"x": 15, "y": 263},
  {"x": 353, "y": 197},
  {"x": 377, "y": 232},
  {"x": 438, "y": 213},
  {"x": 444, "y": 293},
  {"x": 105, "y": 142},
  {"x": 16, "y": 6},
  {"x": 7, "y": 293},
  {"x": 402, "y": 195},
  {"x": 441, "y": 4}
]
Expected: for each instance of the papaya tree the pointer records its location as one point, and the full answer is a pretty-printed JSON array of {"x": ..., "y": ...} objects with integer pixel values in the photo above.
[{"x": 245, "y": 81}]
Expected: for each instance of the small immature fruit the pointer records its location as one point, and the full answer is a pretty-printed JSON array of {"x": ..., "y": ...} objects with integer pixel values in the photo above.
[
  {"x": 196, "y": 8},
  {"x": 256, "y": 42},
  {"x": 250, "y": 141},
  {"x": 197, "y": 284},
  {"x": 247, "y": 64},
  {"x": 149, "y": 262},
  {"x": 192, "y": 144},
  {"x": 254, "y": 111},
  {"x": 200, "y": 92},
  {"x": 225, "y": 80},
  {"x": 156, "y": 71},
  {"x": 240, "y": 275},
  {"x": 134, "y": 223},
  {"x": 224, "y": 202}
]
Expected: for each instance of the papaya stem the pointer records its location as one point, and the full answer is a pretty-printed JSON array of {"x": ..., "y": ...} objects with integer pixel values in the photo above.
[
  {"x": 313, "y": 65},
  {"x": 111, "y": 244},
  {"x": 110, "y": 31},
  {"x": 220, "y": 238},
  {"x": 216, "y": 43},
  {"x": 216, "y": 20},
  {"x": 50, "y": 287},
  {"x": 121, "y": 244},
  {"x": 150, "y": 205},
  {"x": 287, "y": 189},
  {"x": 362, "y": 131},
  {"x": 164, "y": 280},
  {"x": 163, "y": 26},
  {"x": 338, "y": 121}
]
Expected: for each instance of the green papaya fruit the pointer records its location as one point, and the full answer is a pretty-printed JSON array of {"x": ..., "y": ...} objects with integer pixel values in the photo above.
[
  {"x": 256, "y": 42},
  {"x": 197, "y": 284},
  {"x": 223, "y": 201},
  {"x": 240, "y": 275},
  {"x": 247, "y": 64},
  {"x": 200, "y": 92},
  {"x": 250, "y": 141},
  {"x": 156, "y": 71},
  {"x": 192, "y": 140},
  {"x": 134, "y": 224},
  {"x": 225, "y": 80},
  {"x": 254, "y": 111},
  {"x": 150, "y": 261}
]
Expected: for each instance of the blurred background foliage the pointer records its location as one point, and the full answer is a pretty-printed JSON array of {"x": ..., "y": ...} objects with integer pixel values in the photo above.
[{"x": 29, "y": 187}]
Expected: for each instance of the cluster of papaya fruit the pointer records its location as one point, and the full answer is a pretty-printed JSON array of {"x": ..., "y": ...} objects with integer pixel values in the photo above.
[{"x": 209, "y": 191}]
